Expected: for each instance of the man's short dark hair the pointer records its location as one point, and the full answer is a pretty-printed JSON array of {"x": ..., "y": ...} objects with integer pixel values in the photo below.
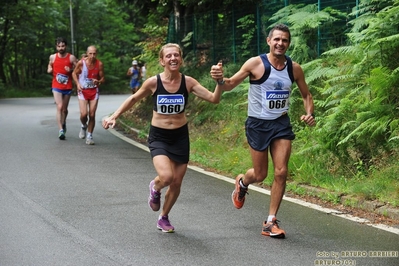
[
  {"x": 281, "y": 27},
  {"x": 61, "y": 40}
]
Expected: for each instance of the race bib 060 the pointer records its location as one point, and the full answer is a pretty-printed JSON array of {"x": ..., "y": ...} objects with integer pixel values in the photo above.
[{"x": 170, "y": 104}]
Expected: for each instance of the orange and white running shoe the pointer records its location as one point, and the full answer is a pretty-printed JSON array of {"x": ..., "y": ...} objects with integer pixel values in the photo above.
[
  {"x": 238, "y": 195},
  {"x": 272, "y": 229}
]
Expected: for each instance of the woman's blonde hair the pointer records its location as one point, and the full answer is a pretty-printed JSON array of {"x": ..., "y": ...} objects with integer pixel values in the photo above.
[{"x": 169, "y": 45}]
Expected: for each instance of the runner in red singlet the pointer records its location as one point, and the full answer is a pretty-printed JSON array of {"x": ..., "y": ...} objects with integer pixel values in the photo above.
[{"x": 61, "y": 65}]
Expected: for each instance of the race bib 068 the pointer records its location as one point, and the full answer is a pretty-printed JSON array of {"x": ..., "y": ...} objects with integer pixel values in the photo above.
[{"x": 277, "y": 99}]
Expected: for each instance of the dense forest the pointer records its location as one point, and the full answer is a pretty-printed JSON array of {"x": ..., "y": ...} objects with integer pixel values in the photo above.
[
  {"x": 121, "y": 30},
  {"x": 354, "y": 79}
]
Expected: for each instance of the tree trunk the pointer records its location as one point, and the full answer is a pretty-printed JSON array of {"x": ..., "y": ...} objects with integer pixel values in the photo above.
[
  {"x": 177, "y": 10},
  {"x": 3, "y": 45}
]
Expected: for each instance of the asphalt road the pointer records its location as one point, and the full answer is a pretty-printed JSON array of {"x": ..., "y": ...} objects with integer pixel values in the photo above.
[{"x": 68, "y": 203}]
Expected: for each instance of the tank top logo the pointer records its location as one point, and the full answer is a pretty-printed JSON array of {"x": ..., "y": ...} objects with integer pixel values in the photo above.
[
  {"x": 278, "y": 85},
  {"x": 170, "y": 104}
]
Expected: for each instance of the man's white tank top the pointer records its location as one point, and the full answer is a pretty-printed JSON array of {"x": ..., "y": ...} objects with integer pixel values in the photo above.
[
  {"x": 268, "y": 97},
  {"x": 84, "y": 80}
]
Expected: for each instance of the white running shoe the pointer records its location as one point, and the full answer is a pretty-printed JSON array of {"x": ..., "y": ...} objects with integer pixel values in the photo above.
[
  {"x": 82, "y": 133},
  {"x": 89, "y": 141}
]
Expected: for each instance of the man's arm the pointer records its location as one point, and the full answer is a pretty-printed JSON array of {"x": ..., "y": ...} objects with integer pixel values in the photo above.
[
  {"x": 74, "y": 61},
  {"x": 50, "y": 64},
  {"x": 75, "y": 74},
  {"x": 230, "y": 83},
  {"x": 306, "y": 95},
  {"x": 101, "y": 76}
]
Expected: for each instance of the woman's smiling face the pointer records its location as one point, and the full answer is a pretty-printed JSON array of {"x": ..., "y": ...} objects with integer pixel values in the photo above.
[{"x": 171, "y": 57}]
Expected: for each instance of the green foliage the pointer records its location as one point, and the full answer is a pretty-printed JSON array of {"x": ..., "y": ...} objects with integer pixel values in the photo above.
[
  {"x": 248, "y": 25},
  {"x": 305, "y": 23},
  {"x": 115, "y": 28},
  {"x": 360, "y": 100},
  {"x": 22, "y": 57}
]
